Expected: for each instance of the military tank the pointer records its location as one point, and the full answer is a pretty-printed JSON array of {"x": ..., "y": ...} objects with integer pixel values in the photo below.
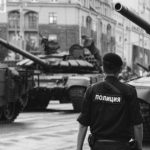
[
  {"x": 142, "y": 84},
  {"x": 66, "y": 79},
  {"x": 61, "y": 77}
]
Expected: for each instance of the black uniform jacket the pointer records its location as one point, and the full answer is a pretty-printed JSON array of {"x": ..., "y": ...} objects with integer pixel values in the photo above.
[{"x": 111, "y": 109}]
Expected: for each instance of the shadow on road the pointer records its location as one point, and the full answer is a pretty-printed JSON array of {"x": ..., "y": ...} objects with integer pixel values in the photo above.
[
  {"x": 50, "y": 110},
  {"x": 60, "y": 110},
  {"x": 65, "y": 108},
  {"x": 15, "y": 126}
]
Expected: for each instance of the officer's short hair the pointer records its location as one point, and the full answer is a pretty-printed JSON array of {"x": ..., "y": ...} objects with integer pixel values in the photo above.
[{"x": 112, "y": 63}]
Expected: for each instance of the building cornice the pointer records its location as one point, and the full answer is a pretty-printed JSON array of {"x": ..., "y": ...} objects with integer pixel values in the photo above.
[
  {"x": 105, "y": 3},
  {"x": 43, "y": 4},
  {"x": 108, "y": 19}
]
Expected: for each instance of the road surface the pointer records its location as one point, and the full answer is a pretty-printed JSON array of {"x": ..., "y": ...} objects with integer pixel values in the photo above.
[{"x": 54, "y": 129}]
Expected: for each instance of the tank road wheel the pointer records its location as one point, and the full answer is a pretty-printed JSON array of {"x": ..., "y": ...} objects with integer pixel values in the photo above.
[
  {"x": 38, "y": 99},
  {"x": 145, "y": 110},
  {"x": 10, "y": 112},
  {"x": 76, "y": 95}
]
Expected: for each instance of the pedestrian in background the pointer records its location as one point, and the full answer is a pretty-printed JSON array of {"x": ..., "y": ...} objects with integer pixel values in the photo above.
[{"x": 111, "y": 110}]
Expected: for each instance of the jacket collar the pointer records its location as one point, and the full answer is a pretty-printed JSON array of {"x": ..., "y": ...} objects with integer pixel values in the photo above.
[{"x": 111, "y": 78}]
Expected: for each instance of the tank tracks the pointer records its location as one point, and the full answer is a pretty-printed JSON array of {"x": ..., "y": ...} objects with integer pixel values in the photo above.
[{"x": 9, "y": 112}]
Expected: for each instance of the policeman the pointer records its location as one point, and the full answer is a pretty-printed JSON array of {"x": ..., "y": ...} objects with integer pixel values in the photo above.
[{"x": 111, "y": 110}]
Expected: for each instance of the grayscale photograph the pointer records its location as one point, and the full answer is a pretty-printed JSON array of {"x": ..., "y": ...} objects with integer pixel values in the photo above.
[{"x": 74, "y": 74}]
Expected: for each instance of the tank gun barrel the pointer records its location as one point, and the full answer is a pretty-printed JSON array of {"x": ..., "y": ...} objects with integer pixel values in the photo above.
[
  {"x": 132, "y": 17},
  {"x": 23, "y": 53}
]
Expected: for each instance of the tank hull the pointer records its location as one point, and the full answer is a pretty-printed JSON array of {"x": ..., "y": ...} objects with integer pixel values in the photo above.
[
  {"x": 142, "y": 86},
  {"x": 13, "y": 98}
]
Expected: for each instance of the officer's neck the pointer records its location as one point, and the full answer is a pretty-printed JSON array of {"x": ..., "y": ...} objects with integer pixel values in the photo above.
[{"x": 111, "y": 75}]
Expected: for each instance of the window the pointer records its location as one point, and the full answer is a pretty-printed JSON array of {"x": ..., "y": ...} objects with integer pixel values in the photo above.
[
  {"x": 105, "y": 11},
  {"x": 53, "y": 1},
  {"x": 94, "y": 26},
  {"x": 120, "y": 39},
  {"x": 84, "y": 3},
  {"x": 52, "y": 37},
  {"x": 109, "y": 29},
  {"x": 92, "y": 2},
  {"x": 32, "y": 18},
  {"x": 13, "y": 0},
  {"x": 83, "y": 21},
  {"x": 14, "y": 19},
  {"x": 52, "y": 18},
  {"x": 34, "y": 1}
]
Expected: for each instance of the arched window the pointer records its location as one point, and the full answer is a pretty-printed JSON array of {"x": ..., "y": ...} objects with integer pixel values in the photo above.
[
  {"x": 101, "y": 24},
  {"x": 109, "y": 29},
  {"x": 31, "y": 20},
  {"x": 89, "y": 24},
  {"x": 14, "y": 19}
]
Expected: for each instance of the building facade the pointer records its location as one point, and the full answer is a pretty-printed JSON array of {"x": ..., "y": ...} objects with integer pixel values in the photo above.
[
  {"x": 132, "y": 42},
  {"x": 106, "y": 26},
  {"x": 62, "y": 20}
]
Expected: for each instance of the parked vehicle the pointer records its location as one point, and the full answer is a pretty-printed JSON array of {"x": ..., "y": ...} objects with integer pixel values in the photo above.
[{"x": 142, "y": 84}]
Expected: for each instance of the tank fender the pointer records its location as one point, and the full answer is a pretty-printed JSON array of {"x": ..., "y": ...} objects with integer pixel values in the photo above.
[
  {"x": 142, "y": 88},
  {"x": 77, "y": 81},
  {"x": 143, "y": 93}
]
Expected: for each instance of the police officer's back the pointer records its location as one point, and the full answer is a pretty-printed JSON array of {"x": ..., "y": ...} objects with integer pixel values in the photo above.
[{"x": 111, "y": 110}]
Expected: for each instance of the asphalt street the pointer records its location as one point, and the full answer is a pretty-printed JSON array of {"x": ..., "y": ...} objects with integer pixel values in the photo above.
[{"x": 53, "y": 129}]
